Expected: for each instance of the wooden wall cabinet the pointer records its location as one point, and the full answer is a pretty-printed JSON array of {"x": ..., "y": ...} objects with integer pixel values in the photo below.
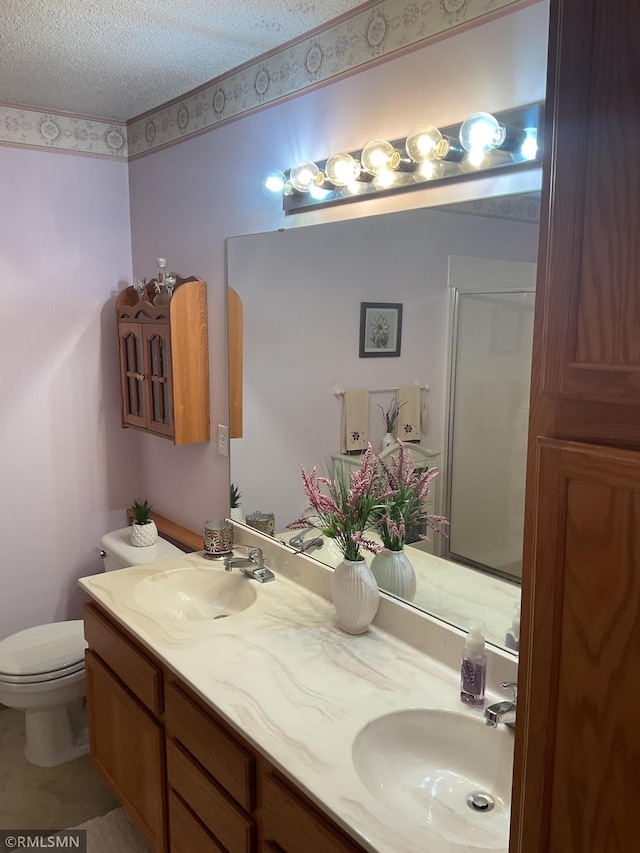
[
  {"x": 164, "y": 362},
  {"x": 188, "y": 780}
]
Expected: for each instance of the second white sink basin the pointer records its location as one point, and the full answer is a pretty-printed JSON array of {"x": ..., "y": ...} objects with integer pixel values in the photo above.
[
  {"x": 424, "y": 764},
  {"x": 195, "y": 594}
]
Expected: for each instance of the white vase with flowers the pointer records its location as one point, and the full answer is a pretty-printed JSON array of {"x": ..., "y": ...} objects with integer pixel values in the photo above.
[
  {"x": 399, "y": 513},
  {"x": 344, "y": 513}
]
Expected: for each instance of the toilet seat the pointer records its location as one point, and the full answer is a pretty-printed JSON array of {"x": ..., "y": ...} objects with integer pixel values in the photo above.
[{"x": 44, "y": 653}]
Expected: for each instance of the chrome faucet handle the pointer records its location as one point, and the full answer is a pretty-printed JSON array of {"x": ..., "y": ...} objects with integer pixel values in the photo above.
[
  {"x": 256, "y": 555},
  {"x": 514, "y": 685}
]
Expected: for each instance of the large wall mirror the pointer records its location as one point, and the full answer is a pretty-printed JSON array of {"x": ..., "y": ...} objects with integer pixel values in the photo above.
[{"x": 465, "y": 276}]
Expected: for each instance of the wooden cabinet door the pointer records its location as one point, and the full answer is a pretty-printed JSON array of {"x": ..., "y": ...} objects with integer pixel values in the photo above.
[
  {"x": 127, "y": 747},
  {"x": 590, "y": 282},
  {"x": 580, "y": 690},
  {"x": 159, "y": 390},
  {"x": 132, "y": 375}
]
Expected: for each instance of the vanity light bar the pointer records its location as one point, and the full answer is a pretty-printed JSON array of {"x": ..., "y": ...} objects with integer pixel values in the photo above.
[{"x": 482, "y": 143}]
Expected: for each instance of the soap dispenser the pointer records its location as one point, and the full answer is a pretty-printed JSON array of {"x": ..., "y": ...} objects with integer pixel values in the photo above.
[
  {"x": 512, "y": 638},
  {"x": 473, "y": 670}
]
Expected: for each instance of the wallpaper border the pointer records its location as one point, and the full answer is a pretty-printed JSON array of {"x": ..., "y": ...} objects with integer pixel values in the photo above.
[{"x": 349, "y": 44}]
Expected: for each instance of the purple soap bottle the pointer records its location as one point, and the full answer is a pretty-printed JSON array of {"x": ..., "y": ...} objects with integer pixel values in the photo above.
[{"x": 473, "y": 669}]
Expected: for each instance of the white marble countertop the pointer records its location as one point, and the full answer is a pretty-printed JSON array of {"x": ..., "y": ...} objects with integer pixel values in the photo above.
[{"x": 298, "y": 688}]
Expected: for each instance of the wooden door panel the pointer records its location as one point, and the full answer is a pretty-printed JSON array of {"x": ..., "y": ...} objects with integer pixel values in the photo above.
[
  {"x": 127, "y": 747},
  {"x": 590, "y": 278},
  {"x": 581, "y": 688},
  {"x": 132, "y": 375},
  {"x": 159, "y": 386}
]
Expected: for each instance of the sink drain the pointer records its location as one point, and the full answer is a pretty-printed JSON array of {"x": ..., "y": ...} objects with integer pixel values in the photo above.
[{"x": 480, "y": 801}]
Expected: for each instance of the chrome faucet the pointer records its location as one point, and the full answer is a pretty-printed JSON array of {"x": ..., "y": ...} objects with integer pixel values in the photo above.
[
  {"x": 503, "y": 712},
  {"x": 252, "y": 565},
  {"x": 303, "y": 547}
]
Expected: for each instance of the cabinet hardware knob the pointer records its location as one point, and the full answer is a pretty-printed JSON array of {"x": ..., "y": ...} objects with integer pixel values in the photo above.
[{"x": 140, "y": 376}]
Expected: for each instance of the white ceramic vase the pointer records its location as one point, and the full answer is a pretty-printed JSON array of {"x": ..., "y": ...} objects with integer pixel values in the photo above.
[
  {"x": 143, "y": 534},
  {"x": 355, "y": 595},
  {"x": 394, "y": 573},
  {"x": 387, "y": 440}
]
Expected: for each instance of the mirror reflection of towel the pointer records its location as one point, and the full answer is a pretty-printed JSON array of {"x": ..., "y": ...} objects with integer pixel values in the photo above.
[
  {"x": 408, "y": 425},
  {"x": 355, "y": 433}
]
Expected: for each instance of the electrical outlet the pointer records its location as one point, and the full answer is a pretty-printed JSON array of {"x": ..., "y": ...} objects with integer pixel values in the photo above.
[{"x": 223, "y": 440}]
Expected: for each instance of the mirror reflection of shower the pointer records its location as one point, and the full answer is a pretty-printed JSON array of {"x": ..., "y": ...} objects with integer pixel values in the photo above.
[{"x": 489, "y": 378}]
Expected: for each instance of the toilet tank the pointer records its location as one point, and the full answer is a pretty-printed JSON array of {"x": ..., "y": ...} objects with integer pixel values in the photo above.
[{"x": 120, "y": 553}]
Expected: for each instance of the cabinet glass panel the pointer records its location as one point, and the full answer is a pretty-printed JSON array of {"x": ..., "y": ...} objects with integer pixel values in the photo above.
[
  {"x": 160, "y": 401},
  {"x": 134, "y": 401},
  {"x": 159, "y": 371}
]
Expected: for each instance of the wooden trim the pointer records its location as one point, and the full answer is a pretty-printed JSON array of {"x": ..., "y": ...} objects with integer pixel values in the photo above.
[
  {"x": 176, "y": 533},
  {"x": 235, "y": 330}
]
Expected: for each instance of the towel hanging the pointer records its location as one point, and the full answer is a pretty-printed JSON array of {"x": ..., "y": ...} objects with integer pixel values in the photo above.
[
  {"x": 408, "y": 423},
  {"x": 355, "y": 420}
]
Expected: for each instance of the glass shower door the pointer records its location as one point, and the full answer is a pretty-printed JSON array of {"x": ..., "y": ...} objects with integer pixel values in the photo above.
[{"x": 489, "y": 411}]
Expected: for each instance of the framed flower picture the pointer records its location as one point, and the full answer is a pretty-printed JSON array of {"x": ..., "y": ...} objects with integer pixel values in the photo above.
[{"x": 380, "y": 329}]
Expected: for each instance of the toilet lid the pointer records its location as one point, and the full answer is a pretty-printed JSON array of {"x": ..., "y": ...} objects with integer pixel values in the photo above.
[{"x": 43, "y": 653}]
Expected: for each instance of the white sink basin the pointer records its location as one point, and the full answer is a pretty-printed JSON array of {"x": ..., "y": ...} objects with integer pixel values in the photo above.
[
  {"x": 195, "y": 594},
  {"x": 423, "y": 764}
]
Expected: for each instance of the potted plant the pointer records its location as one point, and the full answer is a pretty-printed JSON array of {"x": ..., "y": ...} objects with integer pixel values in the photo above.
[
  {"x": 400, "y": 511},
  {"x": 143, "y": 530},
  {"x": 234, "y": 503},
  {"x": 344, "y": 513}
]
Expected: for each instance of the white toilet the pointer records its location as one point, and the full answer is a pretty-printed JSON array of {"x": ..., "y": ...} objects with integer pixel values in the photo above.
[{"x": 42, "y": 668}]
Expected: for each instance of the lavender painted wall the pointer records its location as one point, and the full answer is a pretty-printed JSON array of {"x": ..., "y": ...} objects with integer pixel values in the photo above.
[
  {"x": 66, "y": 468},
  {"x": 187, "y": 199}
]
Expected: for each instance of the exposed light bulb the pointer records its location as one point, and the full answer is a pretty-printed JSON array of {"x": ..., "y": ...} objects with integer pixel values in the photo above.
[
  {"x": 422, "y": 143},
  {"x": 385, "y": 179},
  {"x": 318, "y": 193},
  {"x": 480, "y": 133},
  {"x": 379, "y": 156},
  {"x": 529, "y": 149},
  {"x": 342, "y": 169},
  {"x": 274, "y": 181},
  {"x": 303, "y": 175},
  {"x": 475, "y": 160},
  {"x": 431, "y": 169}
]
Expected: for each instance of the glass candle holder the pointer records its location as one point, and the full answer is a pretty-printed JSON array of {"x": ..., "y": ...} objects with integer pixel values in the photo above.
[
  {"x": 218, "y": 539},
  {"x": 265, "y": 522}
]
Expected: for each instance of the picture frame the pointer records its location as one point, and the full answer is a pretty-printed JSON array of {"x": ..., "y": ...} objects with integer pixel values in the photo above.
[{"x": 380, "y": 329}]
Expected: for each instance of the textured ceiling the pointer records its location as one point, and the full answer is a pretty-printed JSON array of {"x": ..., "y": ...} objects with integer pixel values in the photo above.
[{"x": 116, "y": 59}]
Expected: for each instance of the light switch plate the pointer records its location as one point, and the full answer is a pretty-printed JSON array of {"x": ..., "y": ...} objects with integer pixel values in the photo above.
[{"x": 223, "y": 440}]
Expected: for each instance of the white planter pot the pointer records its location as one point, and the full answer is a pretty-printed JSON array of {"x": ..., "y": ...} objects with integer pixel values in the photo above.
[
  {"x": 143, "y": 535},
  {"x": 395, "y": 574},
  {"x": 235, "y": 514},
  {"x": 355, "y": 595}
]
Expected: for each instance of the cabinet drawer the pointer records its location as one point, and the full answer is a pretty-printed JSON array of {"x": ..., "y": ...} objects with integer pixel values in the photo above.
[
  {"x": 231, "y": 765},
  {"x": 142, "y": 677},
  {"x": 186, "y": 833},
  {"x": 218, "y": 812},
  {"x": 291, "y": 825}
]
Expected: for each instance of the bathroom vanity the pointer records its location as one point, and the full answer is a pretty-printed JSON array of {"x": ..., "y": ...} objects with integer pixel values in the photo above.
[
  {"x": 252, "y": 732},
  {"x": 171, "y": 759}
]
